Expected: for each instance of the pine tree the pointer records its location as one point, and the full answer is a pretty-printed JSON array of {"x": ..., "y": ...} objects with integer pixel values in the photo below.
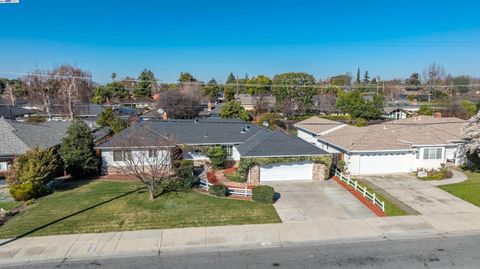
[
  {"x": 358, "y": 81},
  {"x": 366, "y": 78}
]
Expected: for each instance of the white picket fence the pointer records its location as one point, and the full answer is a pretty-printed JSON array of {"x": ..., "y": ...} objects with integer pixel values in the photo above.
[
  {"x": 204, "y": 184},
  {"x": 361, "y": 189}
]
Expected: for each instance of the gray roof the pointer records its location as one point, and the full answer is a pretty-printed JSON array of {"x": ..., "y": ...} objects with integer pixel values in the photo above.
[
  {"x": 253, "y": 140},
  {"x": 19, "y": 137},
  {"x": 11, "y": 112},
  {"x": 274, "y": 143}
]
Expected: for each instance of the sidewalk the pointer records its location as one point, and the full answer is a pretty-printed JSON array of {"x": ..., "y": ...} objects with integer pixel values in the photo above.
[{"x": 155, "y": 242}]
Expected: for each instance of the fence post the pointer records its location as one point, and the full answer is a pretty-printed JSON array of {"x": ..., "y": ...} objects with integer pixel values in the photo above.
[
  {"x": 364, "y": 191},
  {"x": 356, "y": 185},
  {"x": 245, "y": 190},
  {"x": 373, "y": 198},
  {"x": 341, "y": 176}
]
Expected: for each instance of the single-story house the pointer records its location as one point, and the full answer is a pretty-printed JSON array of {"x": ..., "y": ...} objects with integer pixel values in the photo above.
[
  {"x": 400, "y": 109},
  {"x": 239, "y": 139},
  {"x": 398, "y": 146},
  {"x": 18, "y": 137},
  {"x": 249, "y": 101}
]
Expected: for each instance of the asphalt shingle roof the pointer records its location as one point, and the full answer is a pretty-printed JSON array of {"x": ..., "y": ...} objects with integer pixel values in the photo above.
[
  {"x": 317, "y": 125},
  {"x": 254, "y": 140}
]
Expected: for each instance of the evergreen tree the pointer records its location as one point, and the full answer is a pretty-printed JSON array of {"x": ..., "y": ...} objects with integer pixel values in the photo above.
[
  {"x": 366, "y": 78},
  {"x": 230, "y": 88},
  {"x": 212, "y": 89},
  {"x": 358, "y": 81},
  {"x": 146, "y": 84},
  {"x": 77, "y": 150},
  {"x": 234, "y": 110}
]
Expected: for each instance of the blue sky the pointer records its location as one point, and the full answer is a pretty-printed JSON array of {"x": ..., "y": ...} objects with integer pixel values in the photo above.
[{"x": 212, "y": 38}]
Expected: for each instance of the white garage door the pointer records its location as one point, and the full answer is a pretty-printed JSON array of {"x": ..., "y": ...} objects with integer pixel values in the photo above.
[
  {"x": 286, "y": 171},
  {"x": 383, "y": 163}
]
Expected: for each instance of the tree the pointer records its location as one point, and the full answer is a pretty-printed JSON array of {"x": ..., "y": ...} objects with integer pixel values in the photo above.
[
  {"x": 180, "y": 104},
  {"x": 433, "y": 76},
  {"x": 211, "y": 90},
  {"x": 10, "y": 95},
  {"x": 356, "y": 106},
  {"x": 113, "y": 76},
  {"x": 413, "y": 82},
  {"x": 341, "y": 80},
  {"x": 471, "y": 134},
  {"x": 186, "y": 77},
  {"x": 294, "y": 92},
  {"x": 104, "y": 94},
  {"x": 75, "y": 86},
  {"x": 462, "y": 83},
  {"x": 146, "y": 84},
  {"x": 230, "y": 88},
  {"x": 216, "y": 155},
  {"x": 31, "y": 172},
  {"x": 112, "y": 120},
  {"x": 42, "y": 87},
  {"x": 152, "y": 160},
  {"x": 269, "y": 120},
  {"x": 258, "y": 85},
  {"x": 234, "y": 110},
  {"x": 357, "y": 80},
  {"x": 77, "y": 150},
  {"x": 366, "y": 78}
]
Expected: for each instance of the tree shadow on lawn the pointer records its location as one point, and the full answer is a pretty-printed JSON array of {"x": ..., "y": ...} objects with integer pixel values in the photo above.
[{"x": 69, "y": 216}]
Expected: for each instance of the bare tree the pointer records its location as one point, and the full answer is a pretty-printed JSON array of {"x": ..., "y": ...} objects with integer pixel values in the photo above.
[
  {"x": 9, "y": 94},
  {"x": 147, "y": 156},
  {"x": 433, "y": 75},
  {"x": 41, "y": 87},
  {"x": 75, "y": 86},
  {"x": 180, "y": 104}
]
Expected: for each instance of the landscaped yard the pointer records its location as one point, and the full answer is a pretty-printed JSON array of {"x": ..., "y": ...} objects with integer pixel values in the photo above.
[
  {"x": 104, "y": 206},
  {"x": 468, "y": 190}
]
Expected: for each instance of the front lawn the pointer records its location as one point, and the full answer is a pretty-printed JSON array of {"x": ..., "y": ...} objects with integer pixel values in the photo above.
[
  {"x": 391, "y": 209},
  {"x": 468, "y": 190},
  {"x": 104, "y": 206}
]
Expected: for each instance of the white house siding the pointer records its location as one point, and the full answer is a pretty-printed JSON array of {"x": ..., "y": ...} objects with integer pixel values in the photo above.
[
  {"x": 108, "y": 163},
  {"x": 421, "y": 163},
  {"x": 236, "y": 155},
  {"x": 307, "y": 136}
]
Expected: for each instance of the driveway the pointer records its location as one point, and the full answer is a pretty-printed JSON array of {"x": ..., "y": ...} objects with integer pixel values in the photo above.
[
  {"x": 420, "y": 195},
  {"x": 310, "y": 201}
]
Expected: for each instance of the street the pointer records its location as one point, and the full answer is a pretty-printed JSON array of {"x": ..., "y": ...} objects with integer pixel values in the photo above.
[{"x": 445, "y": 252}]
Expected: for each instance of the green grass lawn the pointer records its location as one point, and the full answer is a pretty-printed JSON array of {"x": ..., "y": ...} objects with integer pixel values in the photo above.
[
  {"x": 9, "y": 205},
  {"x": 391, "y": 209},
  {"x": 104, "y": 206},
  {"x": 468, "y": 190}
]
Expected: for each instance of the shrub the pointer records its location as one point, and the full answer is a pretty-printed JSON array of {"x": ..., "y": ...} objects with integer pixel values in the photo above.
[
  {"x": 219, "y": 190},
  {"x": 216, "y": 155},
  {"x": 341, "y": 165},
  {"x": 31, "y": 172},
  {"x": 263, "y": 194},
  {"x": 190, "y": 182},
  {"x": 36, "y": 119},
  {"x": 360, "y": 122},
  {"x": 22, "y": 192},
  {"x": 184, "y": 168}
]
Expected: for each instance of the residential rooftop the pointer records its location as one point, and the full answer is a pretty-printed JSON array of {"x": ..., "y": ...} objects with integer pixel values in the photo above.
[{"x": 317, "y": 125}]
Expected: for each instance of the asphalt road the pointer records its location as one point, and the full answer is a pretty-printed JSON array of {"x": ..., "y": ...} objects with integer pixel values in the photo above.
[{"x": 452, "y": 252}]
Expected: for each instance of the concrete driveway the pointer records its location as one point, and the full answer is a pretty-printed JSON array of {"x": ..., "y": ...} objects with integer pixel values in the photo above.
[
  {"x": 311, "y": 201},
  {"x": 421, "y": 195}
]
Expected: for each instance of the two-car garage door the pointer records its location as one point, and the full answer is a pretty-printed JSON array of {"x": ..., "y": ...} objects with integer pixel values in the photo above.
[{"x": 301, "y": 171}]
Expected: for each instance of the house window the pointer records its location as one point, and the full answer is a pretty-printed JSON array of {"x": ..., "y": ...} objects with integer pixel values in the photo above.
[
  {"x": 3, "y": 166},
  {"x": 228, "y": 150},
  {"x": 121, "y": 155},
  {"x": 152, "y": 153},
  {"x": 432, "y": 153}
]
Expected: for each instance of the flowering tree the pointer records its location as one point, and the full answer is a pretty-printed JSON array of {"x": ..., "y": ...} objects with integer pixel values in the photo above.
[{"x": 471, "y": 134}]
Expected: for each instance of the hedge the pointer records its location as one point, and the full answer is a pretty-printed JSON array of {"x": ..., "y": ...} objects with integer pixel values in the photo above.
[
  {"x": 219, "y": 190},
  {"x": 247, "y": 163},
  {"x": 263, "y": 194}
]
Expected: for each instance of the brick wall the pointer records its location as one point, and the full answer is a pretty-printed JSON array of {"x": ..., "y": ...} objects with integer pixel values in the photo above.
[
  {"x": 318, "y": 172},
  {"x": 254, "y": 174}
]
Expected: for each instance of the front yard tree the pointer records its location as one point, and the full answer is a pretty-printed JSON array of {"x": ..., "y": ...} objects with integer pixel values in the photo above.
[
  {"x": 212, "y": 89},
  {"x": 356, "y": 106},
  {"x": 77, "y": 150},
  {"x": 471, "y": 134},
  {"x": 151, "y": 165},
  {"x": 109, "y": 118},
  {"x": 234, "y": 110}
]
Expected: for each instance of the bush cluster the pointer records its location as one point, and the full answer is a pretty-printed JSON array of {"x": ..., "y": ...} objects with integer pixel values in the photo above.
[
  {"x": 216, "y": 155},
  {"x": 219, "y": 190},
  {"x": 263, "y": 194}
]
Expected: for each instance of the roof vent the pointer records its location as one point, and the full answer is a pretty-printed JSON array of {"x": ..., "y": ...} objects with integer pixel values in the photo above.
[
  {"x": 195, "y": 120},
  {"x": 205, "y": 136},
  {"x": 243, "y": 130},
  {"x": 247, "y": 128}
]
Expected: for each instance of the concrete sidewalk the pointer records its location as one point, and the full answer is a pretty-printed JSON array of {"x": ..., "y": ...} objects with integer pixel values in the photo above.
[{"x": 154, "y": 242}]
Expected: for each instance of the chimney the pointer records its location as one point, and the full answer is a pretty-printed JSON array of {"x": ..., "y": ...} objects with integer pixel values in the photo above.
[
  {"x": 164, "y": 116},
  {"x": 156, "y": 96},
  {"x": 209, "y": 106},
  {"x": 437, "y": 115}
]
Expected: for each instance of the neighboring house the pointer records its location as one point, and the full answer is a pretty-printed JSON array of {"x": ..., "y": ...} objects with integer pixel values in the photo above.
[
  {"x": 238, "y": 138},
  {"x": 19, "y": 137},
  {"x": 138, "y": 102},
  {"x": 211, "y": 111},
  {"x": 89, "y": 111},
  {"x": 400, "y": 109},
  {"x": 398, "y": 146},
  {"x": 249, "y": 101},
  {"x": 14, "y": 113},
  {"x": 311, "y": 128}
]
